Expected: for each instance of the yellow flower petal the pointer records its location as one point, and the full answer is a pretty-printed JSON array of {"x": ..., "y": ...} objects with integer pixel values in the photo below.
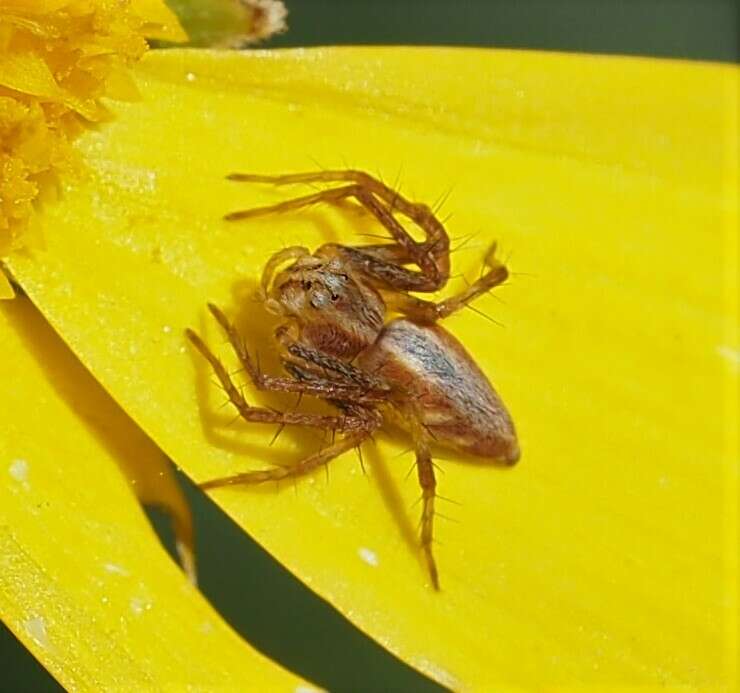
[
  {"x": 6, "y": 289},
  {"x": 84, "y": 584},
  {"x": 28, "y": 71},
  {"x": 599, "y": 559}
]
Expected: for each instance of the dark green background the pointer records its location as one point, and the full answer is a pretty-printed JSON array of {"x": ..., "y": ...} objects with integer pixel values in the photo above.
[
  {"x": 697, "y": 29},
  {"x": 260, "y": 599}
]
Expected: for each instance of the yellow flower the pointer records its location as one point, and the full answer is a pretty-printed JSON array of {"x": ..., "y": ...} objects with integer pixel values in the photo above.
[
  {"x": 57, "y": 59},
  {"x": 608, "y": 555}
]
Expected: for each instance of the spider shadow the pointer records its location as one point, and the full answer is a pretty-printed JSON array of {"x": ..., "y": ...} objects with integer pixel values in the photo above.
[
  {"x": 257, "y": 328},
  {"x": 389, "y": 490}
]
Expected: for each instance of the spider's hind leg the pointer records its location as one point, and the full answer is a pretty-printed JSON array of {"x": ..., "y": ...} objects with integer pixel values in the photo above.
[{"x": 428, "y": 483}]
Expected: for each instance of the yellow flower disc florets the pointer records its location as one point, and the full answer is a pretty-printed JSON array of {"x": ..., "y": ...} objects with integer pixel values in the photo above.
[{"x": 57, "y": 59}]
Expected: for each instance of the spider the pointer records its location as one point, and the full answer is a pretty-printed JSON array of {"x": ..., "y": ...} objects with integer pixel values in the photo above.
[{"x": 336, "y": 344}]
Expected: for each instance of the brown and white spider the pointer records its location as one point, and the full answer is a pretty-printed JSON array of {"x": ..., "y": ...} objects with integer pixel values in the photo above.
[{"x": 335, "y": 343}]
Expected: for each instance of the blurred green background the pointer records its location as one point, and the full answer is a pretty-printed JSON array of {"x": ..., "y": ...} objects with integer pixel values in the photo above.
[
  {"x": 697, "y": 29},
  {"x": 254, "y": 593}
]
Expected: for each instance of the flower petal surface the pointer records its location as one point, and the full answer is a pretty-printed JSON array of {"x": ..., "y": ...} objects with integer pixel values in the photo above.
[
  {"x": 605, "y": 555},
  {"x": 84, "y": 582}
]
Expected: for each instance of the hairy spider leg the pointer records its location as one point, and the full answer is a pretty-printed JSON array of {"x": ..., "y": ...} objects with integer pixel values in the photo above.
[
  {"x": 416, "y": 211},
  {"x": 383, "y": 264},
  {"x": 262, "y": 415},
  {"x": 428, "y": 483},
  {"x": 434, "y": 266},
  {"x": 333, "y": 195},
  {"x": 305, "y": 466},
  {"x": 335, "y": 387},
  {"x": 429, "y": 311},
  {"x": 432, "y": 256}
]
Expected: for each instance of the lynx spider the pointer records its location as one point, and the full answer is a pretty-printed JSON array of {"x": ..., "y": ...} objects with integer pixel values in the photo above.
[{"x": 336, "y": 345}]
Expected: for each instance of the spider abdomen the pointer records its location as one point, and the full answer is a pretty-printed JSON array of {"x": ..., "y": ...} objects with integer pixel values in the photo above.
[{"x": 436, "y": 382}]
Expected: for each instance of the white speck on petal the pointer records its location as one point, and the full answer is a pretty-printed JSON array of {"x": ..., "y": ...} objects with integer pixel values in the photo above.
[
  {"x": 36, "y": 628},
  {"x": 368, "y": 555},
  {"x": 730, "y": 354},
  {"x": 18, "y": 469},
  {"x": 167, "y": 329},
  {"x": 139, "y": 606},
  {"x": 115, "y": 569},
  {"x": 190, "y": 76}
]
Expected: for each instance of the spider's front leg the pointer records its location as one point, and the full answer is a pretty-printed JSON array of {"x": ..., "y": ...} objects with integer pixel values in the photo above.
[
  {"x": 385, "y": 263},
  {"x": 431, "y": 255}
]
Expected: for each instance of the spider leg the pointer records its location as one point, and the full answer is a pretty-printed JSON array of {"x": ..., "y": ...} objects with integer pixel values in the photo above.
[
  {"x": 332, "y": 195},
  {"x": 497, "y": 274},
  {"x": 262, "y": 415},
  {"x": 345, "y": 388},
  {"x": 385, "y": 266},
  {"x": 305, "y": 466},
  {"x": 428, "y": 483},
  {"x": 432, "y": 256},
  {"x": 308, "y": 362},
  {"x": 416, "y": 211},
  {"x": 428, "y": 311}
]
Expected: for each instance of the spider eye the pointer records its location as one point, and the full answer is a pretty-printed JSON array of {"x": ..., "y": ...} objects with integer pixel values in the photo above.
[
  {"x": 335, "y": 297},
  {"x": 306, "y": 284}
]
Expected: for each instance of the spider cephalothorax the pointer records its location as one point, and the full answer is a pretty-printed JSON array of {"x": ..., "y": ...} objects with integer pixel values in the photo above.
[
  {"x": 337, "y": 344},
  {"x": 337, "y": 311}
]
